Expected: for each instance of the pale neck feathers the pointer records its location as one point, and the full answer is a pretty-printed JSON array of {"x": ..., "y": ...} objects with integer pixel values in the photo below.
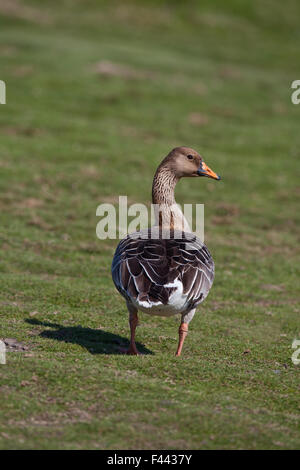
[{"x": 169, "y": 215}]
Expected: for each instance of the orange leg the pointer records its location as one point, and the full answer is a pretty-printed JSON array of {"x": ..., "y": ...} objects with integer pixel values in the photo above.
[
  {"x": 133, "y": 322},
  {"x": 183, "y": 331}
]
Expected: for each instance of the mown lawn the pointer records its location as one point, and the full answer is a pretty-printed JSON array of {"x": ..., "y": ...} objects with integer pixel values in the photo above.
[{"x": 97, "y": 94}]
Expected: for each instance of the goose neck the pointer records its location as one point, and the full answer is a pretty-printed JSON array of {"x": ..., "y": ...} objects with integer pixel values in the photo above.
[{"x": 163, "y": 187}]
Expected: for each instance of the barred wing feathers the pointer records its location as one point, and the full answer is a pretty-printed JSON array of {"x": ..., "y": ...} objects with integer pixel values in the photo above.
[{"x": 151, "y": 271}]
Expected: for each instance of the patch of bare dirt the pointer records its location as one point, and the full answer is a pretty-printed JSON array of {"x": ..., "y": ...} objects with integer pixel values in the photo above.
[
  {"x": 279, "y": 108},
  {"x": 90, "y": 171},
  {"x": 215, "y": 305},
  {"x": 198, "y": 119},
  {"x": 17, "y": 9},
  {"x": 22, "y": 70},
  {"x": 200, "y": 88},
  {"x": 140, "y": 16},
  {"x": 219, "y": 220},
  {"x": 225, "y": 213},
  {"x": 274, "y": 287},
  {"x": 229, "y": 72},
  {"x": 30, "y": 203},
  {"x": 225, "y": 112},
  {"x": 37, "y": 221},
  {"x": 227, "y": 209},
  {"x": 6, "y": 50},
  {"x": 90, "y": 247},
  {"x": 25, "y": 131},
  {"x": 70, "y": 415},
  {"x": 129, "y": 131},
  {"x": 110, "y": 69}
]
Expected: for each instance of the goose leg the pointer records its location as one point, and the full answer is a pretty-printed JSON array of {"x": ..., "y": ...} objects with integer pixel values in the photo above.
[
  {"x": 133, "y": 322},
  {"x": 183, "y": 329}
]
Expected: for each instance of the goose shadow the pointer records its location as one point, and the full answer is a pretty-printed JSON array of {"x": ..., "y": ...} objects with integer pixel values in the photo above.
[{"x": 94, "y": 341}]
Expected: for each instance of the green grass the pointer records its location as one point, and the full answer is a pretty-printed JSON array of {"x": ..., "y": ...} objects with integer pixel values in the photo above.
[{"x": 215, "y": 76}]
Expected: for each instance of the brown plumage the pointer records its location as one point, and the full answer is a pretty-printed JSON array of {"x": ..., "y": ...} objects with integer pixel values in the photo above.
[
  {"x": 166, "y": 269},
  {"x": 143, "y": 269}
]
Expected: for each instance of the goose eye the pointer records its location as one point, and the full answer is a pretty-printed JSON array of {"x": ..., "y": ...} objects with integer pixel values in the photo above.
[{"x": 190, "y": 157}]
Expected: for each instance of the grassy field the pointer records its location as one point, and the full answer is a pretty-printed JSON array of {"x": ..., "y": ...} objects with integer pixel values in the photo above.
[{"x": 97, "y": 94}]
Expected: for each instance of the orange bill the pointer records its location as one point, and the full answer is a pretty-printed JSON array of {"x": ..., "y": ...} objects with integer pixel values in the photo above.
[{"x": 204, "y": 170}]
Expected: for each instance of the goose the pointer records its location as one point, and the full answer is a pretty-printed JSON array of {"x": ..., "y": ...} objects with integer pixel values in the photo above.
[{"x": 166, "y": 269}]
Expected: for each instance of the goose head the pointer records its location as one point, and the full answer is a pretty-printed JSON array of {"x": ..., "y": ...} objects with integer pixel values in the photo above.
[{"x": 186, "y": 162}]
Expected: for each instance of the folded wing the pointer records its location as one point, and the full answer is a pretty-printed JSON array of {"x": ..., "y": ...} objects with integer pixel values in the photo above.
[{"x": 149, "y": 268}]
